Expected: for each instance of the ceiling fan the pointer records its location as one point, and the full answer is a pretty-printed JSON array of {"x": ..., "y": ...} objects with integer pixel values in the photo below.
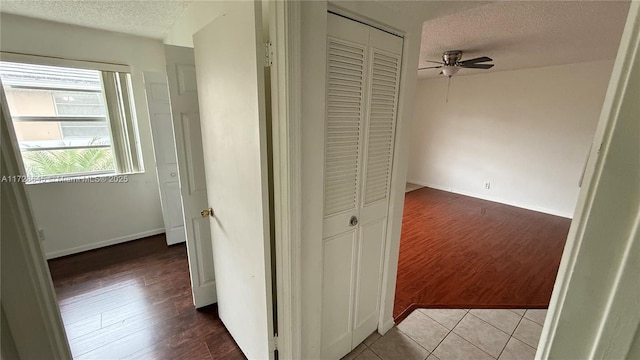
[{"x": 451, "y": 63}]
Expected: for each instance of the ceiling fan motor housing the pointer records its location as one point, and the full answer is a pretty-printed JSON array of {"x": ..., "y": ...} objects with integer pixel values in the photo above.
[{"x": 451, "y": 58}]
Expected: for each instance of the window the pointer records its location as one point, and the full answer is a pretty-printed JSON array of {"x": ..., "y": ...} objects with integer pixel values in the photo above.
[{"x": 71, "y": 121}]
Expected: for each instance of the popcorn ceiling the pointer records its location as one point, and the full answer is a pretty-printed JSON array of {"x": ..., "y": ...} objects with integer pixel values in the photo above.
[{"x": 149, "y": 18}]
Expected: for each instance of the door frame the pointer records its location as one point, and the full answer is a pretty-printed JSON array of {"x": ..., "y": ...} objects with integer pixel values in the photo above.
[
  {"x": 313, "y": 35},
  {"x": 603, "y": 323},
  {"x": 312, "y": 89},
  {"x": 284, "y": 34},
  {"x": 33, "y": 313}
]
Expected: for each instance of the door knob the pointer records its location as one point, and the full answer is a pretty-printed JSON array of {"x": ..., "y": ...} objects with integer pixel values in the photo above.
[
  {"x": 353, "y": 221},
  {"x": 207, "y": 212}
]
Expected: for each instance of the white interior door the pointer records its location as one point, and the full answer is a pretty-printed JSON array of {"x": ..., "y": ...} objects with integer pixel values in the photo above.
[
  {"x": 230, "y": 63},
  {"x": 164, "y": 148},
  {"x": 181, "y": 76}
]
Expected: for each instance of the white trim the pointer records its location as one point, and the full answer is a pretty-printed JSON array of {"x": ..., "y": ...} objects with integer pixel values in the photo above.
[
  {"x": 386, "y": 326},
  {"x": 31, "y": 307},
  {"x": 104, "y": 243},
  {"x": 55, "y": 61},
  {"x": 408, "y": 78},
  {"x": 494, "y": 199},
  {"x": 562, "y": 311},
  {"x": 285, "y": 96},
  {"x": 335, "y": 8}
]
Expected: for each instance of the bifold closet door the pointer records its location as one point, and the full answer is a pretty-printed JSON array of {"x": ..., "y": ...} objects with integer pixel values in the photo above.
[
  {"x": 362, "y": 87},
  {"x": 346, "y": 85},
  {"x": 380, "y": 122}
]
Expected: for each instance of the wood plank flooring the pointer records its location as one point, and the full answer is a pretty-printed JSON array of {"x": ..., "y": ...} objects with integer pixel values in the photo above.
[
  {"x": 133, "y": 301},
  {"x": 461, "y": 252}
]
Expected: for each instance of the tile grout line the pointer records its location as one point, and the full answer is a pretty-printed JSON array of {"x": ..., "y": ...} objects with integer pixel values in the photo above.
[
  {"x": 412, "y": 339},
  {"x": 495, "y": 327},
  {"x": 511, "y": 335},
  {"x": 523, "y": 341},
  {"x": 450, "y": 331},
  {"x": 476, "y": 346},
  {"x": 466, "y": 312}
]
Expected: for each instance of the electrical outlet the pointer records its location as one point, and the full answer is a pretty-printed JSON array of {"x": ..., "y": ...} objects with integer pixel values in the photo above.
[
  {"x": 41, "y": 234},
  {"x": 487, "y": 185}
]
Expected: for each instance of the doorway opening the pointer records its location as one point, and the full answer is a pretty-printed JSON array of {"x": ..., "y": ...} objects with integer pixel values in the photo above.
[
  {"x": 494, "y": 175},
  {"x": 142, "y": 278}
]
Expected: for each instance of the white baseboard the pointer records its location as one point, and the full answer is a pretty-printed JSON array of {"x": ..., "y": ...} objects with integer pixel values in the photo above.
[
  {"x": 118, "y": 240},
  {"x": 386, "y": 326},
  {"x": 495, "y": 199}
]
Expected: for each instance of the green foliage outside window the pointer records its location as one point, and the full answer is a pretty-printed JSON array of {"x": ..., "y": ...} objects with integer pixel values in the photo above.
[{"x": 68, "y": 161}]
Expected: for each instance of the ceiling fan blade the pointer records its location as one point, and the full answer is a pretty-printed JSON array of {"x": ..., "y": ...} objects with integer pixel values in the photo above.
[
  {"x": 477, "y": 66},
  {"x": 476, "y": 60},
  {"x": 431, "y": 67}
]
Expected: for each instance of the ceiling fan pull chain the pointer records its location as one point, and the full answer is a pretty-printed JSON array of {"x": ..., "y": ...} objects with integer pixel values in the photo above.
[{"x": 448, "y": 85}]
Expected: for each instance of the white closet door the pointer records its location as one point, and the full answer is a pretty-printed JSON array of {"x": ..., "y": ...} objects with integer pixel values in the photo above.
[
  {"x": 346, "y": 86},
  {"x": 347, "y": 58},
  {"x": 363, "y": 66},
  {"x": 384, "y": 72}
]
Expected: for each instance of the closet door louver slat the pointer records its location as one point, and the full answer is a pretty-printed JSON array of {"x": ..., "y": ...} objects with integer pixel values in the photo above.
[
  {"x": 345, "y": 103},
  {"x": 385, "y": 71}
]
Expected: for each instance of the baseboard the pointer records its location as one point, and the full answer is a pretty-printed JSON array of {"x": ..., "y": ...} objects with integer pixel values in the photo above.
[
  {"x": 118, "y": 240},
  {"x": 386, "y": 326},
  {"x": 495, "y": 199}
]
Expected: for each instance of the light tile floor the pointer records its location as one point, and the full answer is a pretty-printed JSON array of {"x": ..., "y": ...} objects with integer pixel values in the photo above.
[{"x": 457, "y": 334}]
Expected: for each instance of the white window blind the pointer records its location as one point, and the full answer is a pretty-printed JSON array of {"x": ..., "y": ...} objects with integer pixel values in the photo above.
[{"x": 124, "y": 134}]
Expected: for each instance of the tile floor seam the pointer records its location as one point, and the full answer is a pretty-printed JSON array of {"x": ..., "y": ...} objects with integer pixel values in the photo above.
[
  {"x": 412, "y": 339},
  {"x": 522, "y": 340},
  {"x": 525, "y": 313},
  {"x": 505, "y": 345},
  {"x": 370, "y": 349},
  {"x": 495, "y": 327},
  {"x": 450, "y": 331},
  {"x": 461, "y": 337},
  {"x": 379, "y": 337},
  {"x": 511, "y": 336},
  {"x": 441, "y": 324},
  {"x": 474, "y": 345}
]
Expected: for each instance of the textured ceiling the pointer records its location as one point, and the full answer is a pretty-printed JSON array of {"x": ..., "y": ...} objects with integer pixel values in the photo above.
[
  {"x": 527, "y": 34},
  {"x": 150, "y": 18}
]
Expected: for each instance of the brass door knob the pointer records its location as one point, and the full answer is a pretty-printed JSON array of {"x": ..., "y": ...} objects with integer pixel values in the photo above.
[{"x": 207, "y": 212}]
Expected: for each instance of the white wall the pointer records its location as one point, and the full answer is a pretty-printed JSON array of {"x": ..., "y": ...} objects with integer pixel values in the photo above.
[
  {"x": 74, "y": 216},
  {"x": 196, "y": 16},
  {"x": 527, "y": 132}
]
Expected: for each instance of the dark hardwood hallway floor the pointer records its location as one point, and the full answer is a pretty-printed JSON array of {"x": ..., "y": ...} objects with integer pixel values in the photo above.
[
  {"x": 133, "y": 301},
  {"x": 461, "y": 252}
]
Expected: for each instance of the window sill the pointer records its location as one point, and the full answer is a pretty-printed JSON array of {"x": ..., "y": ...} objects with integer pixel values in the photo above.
[{"x": 101, "y": 178}]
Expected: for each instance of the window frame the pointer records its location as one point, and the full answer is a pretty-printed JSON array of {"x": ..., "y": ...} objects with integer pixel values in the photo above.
[{"x": 126, "y": 117}]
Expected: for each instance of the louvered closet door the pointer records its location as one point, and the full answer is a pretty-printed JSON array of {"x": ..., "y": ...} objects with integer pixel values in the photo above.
[
  {"x": 347, "y": 56},
  {"x": 382, "y": 96},
  {"x": 362, "y": 87}
]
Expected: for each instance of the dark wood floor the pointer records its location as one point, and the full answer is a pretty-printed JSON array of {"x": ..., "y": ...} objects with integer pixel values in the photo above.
[
  {"x": 133, "y": 301},
  {"x": 461, "y": 252}
]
